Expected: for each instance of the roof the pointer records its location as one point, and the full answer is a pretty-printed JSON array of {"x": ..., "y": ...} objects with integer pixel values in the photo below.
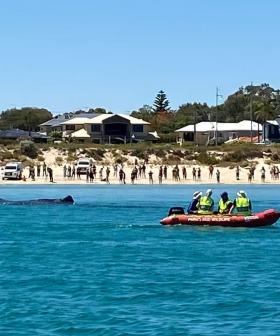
[
  {"x": 154, "y": 134},
  {"x": 66, "y": 117},
  {"x": 18, "y": 133},
  {"x": 81, "y": 133},
  {"x": 272, "y": 122},
  {"x": 76, "y": 121},
  {"x": 99, "y": 119},
  {"x": 207, "y": 126},
  {"x": 55, "y": 121}
]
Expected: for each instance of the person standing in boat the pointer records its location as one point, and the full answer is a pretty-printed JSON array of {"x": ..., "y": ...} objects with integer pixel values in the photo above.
[
  {"x": 206, "y": 204},
  {"x": 192, "y": 209},
  {"x": 242, "y": 204},
  {"x": 225, "y": 204}
]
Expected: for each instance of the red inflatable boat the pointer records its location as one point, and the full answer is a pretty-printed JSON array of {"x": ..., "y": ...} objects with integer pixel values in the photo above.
[{"x": 264, "y": 218}]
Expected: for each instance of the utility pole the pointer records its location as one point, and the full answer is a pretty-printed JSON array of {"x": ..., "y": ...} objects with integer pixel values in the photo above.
[
  {"x": 216, "y": 115},
  {"x": 251, "y": 113},
  {"x": 194, "y": 127}
]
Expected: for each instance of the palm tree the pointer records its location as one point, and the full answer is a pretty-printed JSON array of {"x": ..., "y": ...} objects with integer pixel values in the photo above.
[{"x": 264, "y": 111}]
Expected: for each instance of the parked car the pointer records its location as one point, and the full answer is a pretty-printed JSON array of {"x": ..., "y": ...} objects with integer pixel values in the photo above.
[
  {"x": 83, "y": 165},
  {"x": 12, "y": 170}
]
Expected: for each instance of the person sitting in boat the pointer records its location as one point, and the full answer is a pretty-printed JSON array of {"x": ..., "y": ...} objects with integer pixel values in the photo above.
[
  {"x": 225, "y": 204},
  {"x": 242, "y": 204},
  {"x": 192, "y": 209},
  {"x": 206, "y": 204}
]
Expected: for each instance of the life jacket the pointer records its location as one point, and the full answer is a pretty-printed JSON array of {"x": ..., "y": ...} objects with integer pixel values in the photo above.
[
  {"x": 242, "y": 205},
  {"x": 223, "y": 206},
  {"x": 205, "y": 205}
]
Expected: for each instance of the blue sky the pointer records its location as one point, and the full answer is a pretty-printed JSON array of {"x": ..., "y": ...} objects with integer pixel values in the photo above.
[{"x": 117, "y": 54}]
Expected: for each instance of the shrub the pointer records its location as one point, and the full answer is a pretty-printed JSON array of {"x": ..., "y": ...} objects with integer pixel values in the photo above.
[
  {"x": 205, "y": 158},
  {"x": 6, "y": 155},
  {"x": 29, "y": 149},
  {"x": 59, "y": 160}
]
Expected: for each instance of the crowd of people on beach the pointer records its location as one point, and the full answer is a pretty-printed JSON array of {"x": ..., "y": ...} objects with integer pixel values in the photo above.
[
  {"x": 39, "y": 171},
  {"x": 151, "y": 173},
  {"x": 139, "y": 171}
]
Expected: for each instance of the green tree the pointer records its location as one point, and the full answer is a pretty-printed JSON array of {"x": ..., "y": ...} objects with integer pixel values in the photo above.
[
  {"x": 161, "y": 103},
  {"x": 26, "y": 118},
  {"x": 265, "y": 111},
  {"x": 190, "y": 114},
  {"x": 145, "y": 112}
]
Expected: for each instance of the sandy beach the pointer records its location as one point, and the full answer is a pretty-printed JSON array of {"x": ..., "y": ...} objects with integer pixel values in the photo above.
[{"x": 227, "y": 176}]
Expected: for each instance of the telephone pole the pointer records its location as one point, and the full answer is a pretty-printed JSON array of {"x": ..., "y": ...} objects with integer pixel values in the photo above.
[
  {"x": 218, "y": 95},
  {"x": 251, "y": 113}
]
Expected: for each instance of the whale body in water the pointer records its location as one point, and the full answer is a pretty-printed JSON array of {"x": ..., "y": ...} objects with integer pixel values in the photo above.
[{"x": 66, "y": 200}]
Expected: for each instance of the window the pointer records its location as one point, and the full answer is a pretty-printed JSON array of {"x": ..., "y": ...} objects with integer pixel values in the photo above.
[
  {"x": 70, "y": 127},
  {"x": 138, "y": 128},
  {"x": 95, "y": 128}
]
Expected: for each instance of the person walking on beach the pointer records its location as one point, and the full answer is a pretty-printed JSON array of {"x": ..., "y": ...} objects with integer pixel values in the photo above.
[
  {"x": 38, "y": 170},
  {"x": 107, "y": 174},
  {"x": 184, "y": 172},
  {"x": 91, "y": 175},
  {"x": 73, "y": 172},
  {"x": 165, "y": 172},
  {"x": 69, "y": 171},
  {"x": 151, "y": 181},
  {"x": 133, "y": 175},
  {"x": 44, "y": 169},
  {"x": 237, "y": 173},
  {"x": 263, "y": 175},
  {"x": 194, "y": 174},
  {"x": 64, "y": 171},
  {"x": 249, "y": 176},
  {"x": 211, "y": 170},
  {"x": 199, "y": 174},
  {"x": 218, "y": 175},
  {"x": 50, "y": 173},
  {"x": 160, "y": 174}
]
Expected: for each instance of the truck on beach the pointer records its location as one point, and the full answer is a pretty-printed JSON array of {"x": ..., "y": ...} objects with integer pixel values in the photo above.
[
  {"x": 83, "y": 165},
  {"x": 12, "y": 170}
]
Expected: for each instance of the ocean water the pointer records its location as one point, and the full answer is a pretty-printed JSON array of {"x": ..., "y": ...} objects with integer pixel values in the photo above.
[{"x": 105, "y": 266}]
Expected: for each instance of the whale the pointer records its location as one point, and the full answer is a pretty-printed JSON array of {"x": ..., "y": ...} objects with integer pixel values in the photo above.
[{"x": 66, "y": 200}]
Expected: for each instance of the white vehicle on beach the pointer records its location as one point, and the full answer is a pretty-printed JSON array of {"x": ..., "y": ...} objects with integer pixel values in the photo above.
[
  {"x": 83, "y": 165},
  {"x": 12, "y": 170}
]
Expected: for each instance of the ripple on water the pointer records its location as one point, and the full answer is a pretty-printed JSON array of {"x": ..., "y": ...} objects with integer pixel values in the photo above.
[{"x": 106, "y": 267}]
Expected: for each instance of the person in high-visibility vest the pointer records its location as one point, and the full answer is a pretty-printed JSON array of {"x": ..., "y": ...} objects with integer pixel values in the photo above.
[
  {"x": 206, "y": 204},
  {"x": 225, "y": 204},
  {"x": 242, "y": 204}
]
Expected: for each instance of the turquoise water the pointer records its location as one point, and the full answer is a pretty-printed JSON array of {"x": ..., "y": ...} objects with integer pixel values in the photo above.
[{"x": 105, "y": 266}]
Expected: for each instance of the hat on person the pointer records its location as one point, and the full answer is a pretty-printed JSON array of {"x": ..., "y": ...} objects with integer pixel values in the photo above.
[
  {"x": 209, "y": 192},
  {"x": 241, "y": 193},
  {"x": 224, "y": 194},
  {"x": 197, "y": 194}
]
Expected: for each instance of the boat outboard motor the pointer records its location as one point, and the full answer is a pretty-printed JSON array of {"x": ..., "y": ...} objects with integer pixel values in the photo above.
[{"x": 176, "y": 211}]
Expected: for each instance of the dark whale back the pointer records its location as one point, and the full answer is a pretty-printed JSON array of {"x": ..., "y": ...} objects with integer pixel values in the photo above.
[{"x": 66, "y": 200}]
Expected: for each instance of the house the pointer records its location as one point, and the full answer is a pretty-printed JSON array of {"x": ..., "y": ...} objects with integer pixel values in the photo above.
[
  {"x": 16, "y": 134},
  {"x": 110, "y": 128},
  {"x": 73, "y": 125},
  {"x": 271, "y": 130},
  {"x": 55, "y": 124},
  {"x": 103, "y": 128},
  {"x": 206, "y": 131}
]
